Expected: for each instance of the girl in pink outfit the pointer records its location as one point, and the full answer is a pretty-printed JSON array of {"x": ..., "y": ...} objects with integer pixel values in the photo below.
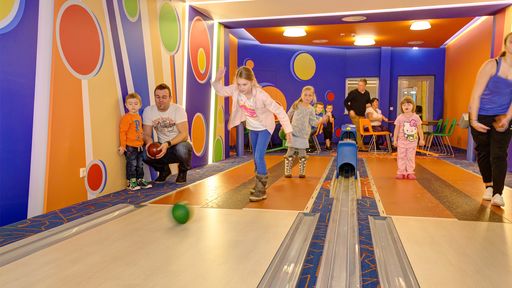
[
  {"x": 407, "y": 130},
  {"x": 254, "y": 106}
]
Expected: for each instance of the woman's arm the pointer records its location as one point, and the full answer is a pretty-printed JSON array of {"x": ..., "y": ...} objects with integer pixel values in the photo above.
[{"x": 483, "y": 76}]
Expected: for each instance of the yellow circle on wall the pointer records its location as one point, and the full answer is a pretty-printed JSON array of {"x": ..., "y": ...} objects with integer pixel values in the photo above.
[
  {"x": 201, "y": 60},
  {"x": 198, "y": 134},
  {"x": 304, "y": 66},
  {"x": 7, "y": 8}
]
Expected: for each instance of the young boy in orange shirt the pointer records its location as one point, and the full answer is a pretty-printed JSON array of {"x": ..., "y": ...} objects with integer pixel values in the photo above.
[{"x": 131, "y": 142}]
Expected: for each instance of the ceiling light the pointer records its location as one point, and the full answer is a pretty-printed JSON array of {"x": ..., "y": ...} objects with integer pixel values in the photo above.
[
  {"x": 415, "y": 48},
  {"x": 320, "y": 41},
  {"x": 420, "y": 25},
  {"x": 294, "y": 32},
  {"x": 364, "y": 41},
  {"x": 353, "y": 18},
  {"x": 415, "y": 42}
]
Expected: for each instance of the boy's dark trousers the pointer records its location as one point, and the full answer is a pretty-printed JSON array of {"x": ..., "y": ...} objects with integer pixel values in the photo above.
[{"x": 134, "y": 157}]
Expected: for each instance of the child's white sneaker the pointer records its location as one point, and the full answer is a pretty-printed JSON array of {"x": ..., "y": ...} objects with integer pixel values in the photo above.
[
  {"x": 488, "y": 194},
  {"x": 497, "y": 200}
]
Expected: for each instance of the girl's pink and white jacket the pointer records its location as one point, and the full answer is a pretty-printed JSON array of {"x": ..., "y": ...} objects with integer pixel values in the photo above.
[{"x": 265, "y": 108}]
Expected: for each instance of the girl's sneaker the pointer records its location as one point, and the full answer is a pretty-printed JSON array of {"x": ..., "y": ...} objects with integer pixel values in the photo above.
[
  {"x": 144, "y": 184},
  {"x": 411, "y": 176},
  {"x": 497, "y": 200},
  {"x": 132, "y": 185},
  {"x": 400, "y": 176}
]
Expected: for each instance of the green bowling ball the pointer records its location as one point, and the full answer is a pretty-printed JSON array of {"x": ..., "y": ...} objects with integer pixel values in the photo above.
[{"x": 180, "y": 213}]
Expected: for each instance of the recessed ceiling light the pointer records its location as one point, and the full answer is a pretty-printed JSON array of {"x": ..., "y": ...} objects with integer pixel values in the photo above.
[
  {"x": 415, "y": 42},
  {"x": 415, "y": 48},
  {"x": 364, "y": 41},
  {"x": 320, "y": 41},
  {"x": 294, "y": 32},
  {"x": 420, "y": 25},
  {"x": 353, "y": 18}
]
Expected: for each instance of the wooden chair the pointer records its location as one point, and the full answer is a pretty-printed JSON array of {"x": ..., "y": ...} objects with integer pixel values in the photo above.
[{"x": 365, "y": 123}]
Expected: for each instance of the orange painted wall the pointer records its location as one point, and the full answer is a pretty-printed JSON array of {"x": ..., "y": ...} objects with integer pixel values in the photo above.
[
  {"x": 66, "y": 141},
  {"x": 233, "y": 65},
  {"x": 464, "y": 57}
]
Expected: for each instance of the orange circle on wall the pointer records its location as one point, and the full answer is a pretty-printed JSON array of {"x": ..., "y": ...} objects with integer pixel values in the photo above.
[
  {"x": 198, "y": 134},
  {"x": 277, "y": 95},
  {"x": 249, "y": 63}
]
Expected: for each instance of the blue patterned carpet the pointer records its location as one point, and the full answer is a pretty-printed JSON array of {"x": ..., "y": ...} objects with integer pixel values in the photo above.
[{"x": 40, "y": 223}]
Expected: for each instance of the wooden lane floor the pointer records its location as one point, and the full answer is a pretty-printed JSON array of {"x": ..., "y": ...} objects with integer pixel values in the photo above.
[
  {"x": 294, "y": 193},
  {"x": 402, "y": 197},
  {"x": 441, "y": 190},
  {"x": 469, "y": 183},
  {"x": 451, "y": 253},
  {"x": 216, "y": 248},
  {"x": 231, "y": 188}
]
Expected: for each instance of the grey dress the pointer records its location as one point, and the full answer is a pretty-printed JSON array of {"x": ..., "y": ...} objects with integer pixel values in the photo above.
[{"x": 302, "y": 119}]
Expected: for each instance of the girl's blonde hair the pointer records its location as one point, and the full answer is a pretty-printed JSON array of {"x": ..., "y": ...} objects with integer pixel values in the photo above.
[
  {"x": 407, "y": 99},
  {"x": 306, "y": 88},
  {"x": 502, "y": 54},
  {"x": 246, "y": 73}
]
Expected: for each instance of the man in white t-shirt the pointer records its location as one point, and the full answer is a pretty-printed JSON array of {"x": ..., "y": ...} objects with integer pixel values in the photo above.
[{"x": 170, "y": 123}]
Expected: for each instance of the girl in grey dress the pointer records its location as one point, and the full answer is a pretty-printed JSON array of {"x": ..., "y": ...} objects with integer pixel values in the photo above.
[{"x": 302, "y": 116}]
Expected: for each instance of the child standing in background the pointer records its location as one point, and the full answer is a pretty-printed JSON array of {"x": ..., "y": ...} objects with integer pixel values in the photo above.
[
  {"x": 315, "y": 130},
  {"x": 131, "y": 142},
  {"x": 408, "y": 128},
  {"x": 303, "y": 118},
  {"x": 328, "y": 126}
]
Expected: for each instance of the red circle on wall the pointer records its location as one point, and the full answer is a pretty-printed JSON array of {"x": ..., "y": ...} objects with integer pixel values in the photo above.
[
  {"x": 94, "y": 177},
  {"x": 338, "y": 132},
  {"x": 329, "y": 96},
  {"x": 199, "y": 49},
  {"x": 79, "y": 39}
]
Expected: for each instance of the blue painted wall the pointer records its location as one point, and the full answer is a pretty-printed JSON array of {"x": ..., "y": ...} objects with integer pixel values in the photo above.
[
  {"x": 334, "y": 65},
  {"x": 17, "y": 81}
]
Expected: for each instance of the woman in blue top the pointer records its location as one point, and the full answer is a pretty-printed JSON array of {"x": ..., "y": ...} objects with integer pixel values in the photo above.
[{"x": 490, "y": 112}]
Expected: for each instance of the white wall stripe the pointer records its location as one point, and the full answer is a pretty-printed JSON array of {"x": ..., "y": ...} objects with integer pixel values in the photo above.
[
  {"x": 41, "y": 109},
  {"x": 87, "y": 128},
  {"x": 215, "y": 43}
]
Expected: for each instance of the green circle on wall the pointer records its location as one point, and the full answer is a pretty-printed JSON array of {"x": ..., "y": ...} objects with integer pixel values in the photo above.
[
  {"x": 169, "y": 24},
  {"x": 218, "y": 150},
  {"x": 131, "y": 8}
]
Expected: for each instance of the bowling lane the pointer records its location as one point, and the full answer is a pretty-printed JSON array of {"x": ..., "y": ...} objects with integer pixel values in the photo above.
[
  {"x": 230, "y": 189},
  {"x": 452, "y": 253},
  {"x": 216, "y": 248}
]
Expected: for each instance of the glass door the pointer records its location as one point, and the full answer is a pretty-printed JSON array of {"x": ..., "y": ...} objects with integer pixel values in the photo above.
[{"x": 421, "y": 89}]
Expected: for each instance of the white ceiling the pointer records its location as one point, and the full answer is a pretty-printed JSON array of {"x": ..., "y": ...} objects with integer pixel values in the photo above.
[{"x": 251, "y": 9}]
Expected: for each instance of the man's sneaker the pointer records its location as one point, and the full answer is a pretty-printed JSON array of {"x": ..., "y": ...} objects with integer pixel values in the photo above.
[
  {"x": 162, "y": 176},
  {"x": 182, "y": 177},
  {"x": 132, "y": 185},
  {"x": 144, "y": 184},
  {"x": 497, "y": 200},
  {"x": 411, "y": 176},
  {"x": 488, "y": 194}
]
